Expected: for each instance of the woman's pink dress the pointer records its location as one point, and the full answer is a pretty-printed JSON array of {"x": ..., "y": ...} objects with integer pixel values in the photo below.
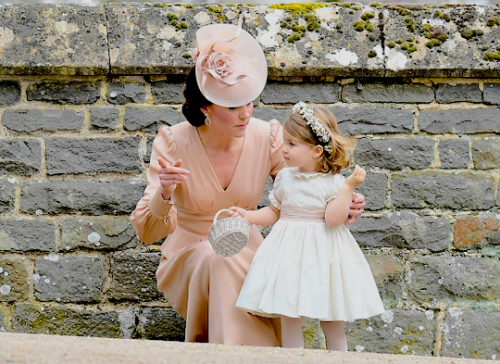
[{"x": 199, "y": 285}]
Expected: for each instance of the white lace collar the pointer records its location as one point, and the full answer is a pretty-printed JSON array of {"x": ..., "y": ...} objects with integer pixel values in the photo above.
[{"x": 297, "y": 173}]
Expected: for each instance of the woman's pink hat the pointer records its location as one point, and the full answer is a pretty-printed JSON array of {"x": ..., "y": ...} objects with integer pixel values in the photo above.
[{"x": 231, "y": 69}]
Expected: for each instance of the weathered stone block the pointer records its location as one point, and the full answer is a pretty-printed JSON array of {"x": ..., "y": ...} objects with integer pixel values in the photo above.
[
  {"x": 20, "y": 157},
  {"x": 27, "y": 235},
  {"x": 471, "y": 334},
  {"x": 62, "y": 320},
  {"x": 268, "y": 114},
  {"x": 436, "y": 278},
  {"x": 104, "y": 117},
  {"x": 416, "y": 153},
  {"x": 459, "y": 121},
  {"x": 388, "y": 272},
  {"x": 150, "y": 118},
  {"x": 55, "y": 39},
  {"x": 161, "y": 323},
  {"x": 88, "y": 198},
  {"x": 102, "y": 233},
  {"x": 65, "y": 93},
  {"x": 72, "y": 279},
  {"x": 374, "y": 190},
  {"x": 373, "y": 120},
  {"x": 278, "y": 93},
  {"x": 454, "y": 153},
  {"x": 149, "y": 149},
  {"x": 10, "y": 93},
  {"x": 134, "y": 276},
  {"x": 395, "y": 331},
  {"x": 393, "y": 93},
  {"x": 486, "y": 153},
  {"x": 471, "y": 232},
  {"x": 94, "y": 155},
  {"x": 404, "y": 229},
  {"x": 13, "y": 279},
  {"x": 435, "y": 190},
  {"x": 167, "y": 92},
  {"x": 464, "y": 92},
  {"x": 492, "y": 93},
  {"x": 126, "y": 92},
  {"x": 3, "y": 323},
  {"x": 28, "y": 121},
  {"x": 7, "y": 195}
]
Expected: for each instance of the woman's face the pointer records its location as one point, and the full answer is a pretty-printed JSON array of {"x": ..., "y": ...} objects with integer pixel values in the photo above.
[{"x": 230, "y": 121}]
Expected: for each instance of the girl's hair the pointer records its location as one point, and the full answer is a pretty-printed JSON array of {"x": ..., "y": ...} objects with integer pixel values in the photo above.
[
  {"x": 194, "y": 101},
  {"x": 296, "y": 126}
]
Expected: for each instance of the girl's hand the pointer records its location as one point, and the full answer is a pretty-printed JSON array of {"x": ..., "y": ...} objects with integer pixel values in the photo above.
[
  {"x": 357, "y": 207},
  {"x": 357, "y": 177},
  {"x": 170, "y": 176},
  {"x": 239, "y": 212}
]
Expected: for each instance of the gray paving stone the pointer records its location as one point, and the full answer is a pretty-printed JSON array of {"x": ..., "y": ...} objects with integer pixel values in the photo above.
[
  {"x": 462, "y": 92},
  {"x": 7, "y": 195},
  {"x": 30, "y": 120},
  {"x": 161, "y": 323},
  {"x": 279, "y": 93},
  {"x": 126, "y": 92},
  {"x": 492, "y": 93},
  {"x": 167, "y": 92},
  {"x": 10, "y": 93},
  {"x": 104, "y": 118},
  {"x": 454, "y": 153},
  {"x": 388, "y": 272},
  {"x": 393, "y": 93},
  {"x": 150, "y": 118},
  {"x": 13, "y": 282},
  {"x": 27, "y": 235},
  {"x": 459, "y": 121},
  {"x": 21, "y": 157},
  {"x": 65, "y": 92},
  {"x": 486, "y": 153},
  {"x": 374, "y": 189}
]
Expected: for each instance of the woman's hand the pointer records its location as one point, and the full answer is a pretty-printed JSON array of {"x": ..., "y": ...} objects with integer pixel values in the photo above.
[
  {"x": 357, "y": 207},
  {"x": 170, "y": 176}
]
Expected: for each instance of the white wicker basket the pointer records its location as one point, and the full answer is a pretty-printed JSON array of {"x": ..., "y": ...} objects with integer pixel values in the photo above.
[{"x": 228, "y": 236}]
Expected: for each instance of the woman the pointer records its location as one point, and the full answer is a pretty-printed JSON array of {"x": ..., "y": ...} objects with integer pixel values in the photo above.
[{"x": 221, "y": 158}]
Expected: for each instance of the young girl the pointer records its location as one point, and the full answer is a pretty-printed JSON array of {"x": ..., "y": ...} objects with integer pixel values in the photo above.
[{"x": 310, "y": 265}]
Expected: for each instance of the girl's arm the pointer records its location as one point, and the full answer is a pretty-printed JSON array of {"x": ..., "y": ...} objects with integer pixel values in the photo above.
[
  {"x": 337, "y": 210},
  {"x": 263, "y": 217}
]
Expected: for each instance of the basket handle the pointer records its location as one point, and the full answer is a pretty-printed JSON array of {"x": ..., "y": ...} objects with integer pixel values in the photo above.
[{"x": 219, "y": 212}]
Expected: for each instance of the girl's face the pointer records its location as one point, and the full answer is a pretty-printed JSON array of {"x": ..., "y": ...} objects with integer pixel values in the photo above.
[
  {"x": 229, "y": 121},
  {"x": 299, "y": 154}
]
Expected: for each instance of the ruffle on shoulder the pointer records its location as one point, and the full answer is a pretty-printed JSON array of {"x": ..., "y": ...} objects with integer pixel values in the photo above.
[
  {"x": 297, "y": 173},
  {"x": 275, "y": 125}
]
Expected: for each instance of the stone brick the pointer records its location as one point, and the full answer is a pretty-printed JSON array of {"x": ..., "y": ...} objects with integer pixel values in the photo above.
[
  {"x": 395, "y": 331},
  {"x": 28, "y": 121},
  {"x": 416, "y": 153},
  {"x": 279, "y": 93},
  {"x": 104, "y": 117},
  {"x": 486, "y": 153},
  {"x": 373, "y": 120},
  {"x": 88, "y": 198},
  {"x": 134, "y": 276},
  {"x": 167, "y": 92},
  {"x": 161, "y": 323},
  {"x": 92, "y": 155},
  {"x": 101, "y": 233},
  {"x": 393, "y": 93},
  {"x": 71, "y": 279},
  {"x": 461, "y": 92},
  {"x": 374, "y": 190},
  {"x": 13, "y": 279},
  {"x": 474, "y": 335},
  {"x": 404, "y": 229},
  {"x": 149, "y": 149},
  {"x": 20, "y": 157},
  {"x": 434, "y": 190},
  {"x": 7, "y": 195},
  {"x": 3, "y": 322},
  {"x": 126, "y": 92},
  {"x": 150, "y": 118},
  {"x": 62, "y": 320},
  {"x": 471, "y": 232},
  {"x": 436, "y": 278},
  {"x": 65, "y": 93},
  {"x": 10, "y": 93},
  {"x": 459, "y": 121},
  {"x": 27, "y": 235},
  {"x": 389, "y": 274},
  {"x": 454, "y": 153},
  {"x": 492, "y": 93},
  {"x": 271, "y": 113}
]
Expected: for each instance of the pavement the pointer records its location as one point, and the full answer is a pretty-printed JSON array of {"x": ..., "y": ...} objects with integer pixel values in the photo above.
[{"x": 53, "y": 349}]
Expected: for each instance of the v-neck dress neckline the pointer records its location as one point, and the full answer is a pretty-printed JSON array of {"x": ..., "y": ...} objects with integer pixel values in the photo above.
[{"x": 211, "y": 168}]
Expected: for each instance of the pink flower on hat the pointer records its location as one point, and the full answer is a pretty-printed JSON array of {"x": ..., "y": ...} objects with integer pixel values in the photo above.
[{"x": 221, "y": 63}]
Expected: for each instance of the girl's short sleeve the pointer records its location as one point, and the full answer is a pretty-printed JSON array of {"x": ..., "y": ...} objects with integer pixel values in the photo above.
[
  {"x": 335, "y": 183},
  {"x": 276, "y": 195}
]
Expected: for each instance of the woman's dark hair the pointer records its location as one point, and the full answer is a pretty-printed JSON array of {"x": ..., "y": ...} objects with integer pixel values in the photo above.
[{"x": 194, "y": 101}]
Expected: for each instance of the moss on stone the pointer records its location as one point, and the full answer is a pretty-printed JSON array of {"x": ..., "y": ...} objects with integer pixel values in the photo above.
[
  {"x": 431, "y": 32},
  {"x": 367, "y": 16},
  {"x": 172, "y": 16},
  {"x": 372, "y": 54},
  {"x": 399, "y": 41},
  {"x": 369, "y": 26},
  {"x": 217, "y": 11},
  {"x": 409, "y": 47},
  {"x": 468, "y": 33},
  {"x": 298, "y": 28},
  {"x": 409, "y": 19},
  {"x": 182, "y": 25},
  {"x": 298, "y": 8},
  {"x": 498, "y": 48},
  {"x": 440, "y": 14},
  {"x": 376, "y": 5},
  {"x": 400, "y": 10},
  {"x": 186, "y": 55},
  {"x": 339, "y": 25},
  {"x": 355, "y": 7},
  {"x": 433, "y": 43},
  {"x": 485, "y": 48},
  {"x": 188, "y": 6},
  {"x": 492, "y": 56},
  {"x": 294, "y": 37},
  {"x": 412, "y": 27},
  {"x": 359, "y": 25},
  {"x": 391, "y": 44},
  {"x": 492, "y": 21}
]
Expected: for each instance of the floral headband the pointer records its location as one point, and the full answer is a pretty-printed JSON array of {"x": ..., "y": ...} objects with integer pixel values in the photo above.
[{"x": 307, "y": 113}]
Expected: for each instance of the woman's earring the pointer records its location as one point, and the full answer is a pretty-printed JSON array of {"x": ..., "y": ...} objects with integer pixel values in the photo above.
[{"x": 208, "y": 122}]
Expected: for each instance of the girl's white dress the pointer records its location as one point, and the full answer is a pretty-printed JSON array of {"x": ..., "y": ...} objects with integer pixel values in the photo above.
[{"x": 305, "y": 268}]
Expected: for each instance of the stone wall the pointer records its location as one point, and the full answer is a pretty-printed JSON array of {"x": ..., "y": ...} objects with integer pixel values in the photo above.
[{"x": 83, "y": 91}]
